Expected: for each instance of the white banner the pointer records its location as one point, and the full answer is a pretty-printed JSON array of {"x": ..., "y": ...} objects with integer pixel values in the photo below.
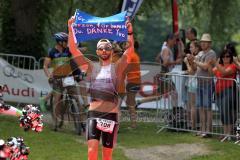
[{"x": 23, "y": 86}]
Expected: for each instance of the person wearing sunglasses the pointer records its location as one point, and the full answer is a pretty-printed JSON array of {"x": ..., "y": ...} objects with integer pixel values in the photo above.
[
  {"x": 104, "y": 78},
  {"x": 232, "y": 47},
  {"x": 226, "y": 72}
]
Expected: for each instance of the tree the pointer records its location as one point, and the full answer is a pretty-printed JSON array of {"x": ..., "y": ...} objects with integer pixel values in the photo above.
[
  {"x": 23, "y": 26},
  {"x": 218, "y": 17},
  {"x": 28, "y": 25}
]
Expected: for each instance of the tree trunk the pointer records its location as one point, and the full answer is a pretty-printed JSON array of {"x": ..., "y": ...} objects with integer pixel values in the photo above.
[
  {"x": 24, "y": 13},
  {"x": 23, "y": 26}
]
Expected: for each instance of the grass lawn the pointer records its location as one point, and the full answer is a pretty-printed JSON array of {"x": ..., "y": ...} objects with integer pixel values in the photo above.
[{"x": 49, "y": 145}]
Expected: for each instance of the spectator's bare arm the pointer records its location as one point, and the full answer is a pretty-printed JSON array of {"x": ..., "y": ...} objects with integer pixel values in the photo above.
[
  {"x": 190, "y": 68},
  {"x": 207, "y": 65},
  {"x": 202, "y": 65},
  {"x": 165, "y": 58},
  {"x": 224, "y": 71},
  {"x": 181, "y": 49},
  {"x": 236, "y": 62}
]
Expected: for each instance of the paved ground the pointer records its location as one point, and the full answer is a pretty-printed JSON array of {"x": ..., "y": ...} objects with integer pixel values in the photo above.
[{"x": 167, "y": 152}]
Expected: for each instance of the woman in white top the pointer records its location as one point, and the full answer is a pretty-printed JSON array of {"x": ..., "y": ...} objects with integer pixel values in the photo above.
[{"x": 195, "y": 48}]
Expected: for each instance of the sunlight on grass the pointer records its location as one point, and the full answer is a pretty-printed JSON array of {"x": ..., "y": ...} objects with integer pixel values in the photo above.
[
  {"x": 65, "y": 144},
  {"x": 49, "y": 145}
]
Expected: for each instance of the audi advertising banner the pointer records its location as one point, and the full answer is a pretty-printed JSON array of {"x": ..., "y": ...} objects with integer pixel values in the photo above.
[
  {"x": 23, "y": 86},
  {"x": 27, "y": 86}
]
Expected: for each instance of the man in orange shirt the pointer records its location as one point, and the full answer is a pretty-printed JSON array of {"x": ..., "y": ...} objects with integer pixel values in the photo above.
[
  {"x": 133, "y": 79},
  {"x": 133, "y": 84}
]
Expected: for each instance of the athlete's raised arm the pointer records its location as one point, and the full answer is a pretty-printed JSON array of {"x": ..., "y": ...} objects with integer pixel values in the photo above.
[{"x": 78, "y": 56}]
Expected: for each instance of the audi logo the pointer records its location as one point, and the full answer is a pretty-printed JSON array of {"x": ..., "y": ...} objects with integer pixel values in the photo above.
[{"x": 10, "y": 71}]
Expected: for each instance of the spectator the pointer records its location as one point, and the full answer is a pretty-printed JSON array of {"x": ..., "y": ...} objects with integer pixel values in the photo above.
[
  {"x": 133, "y": 84},
  {"x": 191, "y": 35},
  {"x": 204, "y": 63},
  {"x": 195, "y": 48},
  {"x": 133, "y": 76},
  {"x": 166, "y": 56},
  {"x": 226, "y": 90},
  {"x": 231, "y": 47}
]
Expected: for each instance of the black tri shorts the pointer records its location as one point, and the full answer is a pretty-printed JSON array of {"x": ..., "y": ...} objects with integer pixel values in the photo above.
[{"x": 93, "y": 132}]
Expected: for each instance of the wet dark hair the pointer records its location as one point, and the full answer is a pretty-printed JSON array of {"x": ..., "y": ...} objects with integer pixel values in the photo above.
[
  {"x": 193, "y": 31},
  {"x": 231, "y": 47},
  {"x": 223, "y": 53},
  {"x": 197, "y": 45},
  {"x": 170, "y": 36}
]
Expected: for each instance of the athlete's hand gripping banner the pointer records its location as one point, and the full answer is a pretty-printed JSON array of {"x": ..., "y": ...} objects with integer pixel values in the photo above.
[{"x": 87, "y": 27}]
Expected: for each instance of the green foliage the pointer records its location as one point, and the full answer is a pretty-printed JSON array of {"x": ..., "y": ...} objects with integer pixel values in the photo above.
[
  {"x": 217, "y": 17},
  {"x": 64, "y": 144},
  {"x": 19, "y": 40},
  {"x": 63, "y": 10},
  {"x": 151, "y": 27},
  {"x": 50, "y": 145},
  {"x": 153, "y": 21},
  {"x": 236, "y": 38}
]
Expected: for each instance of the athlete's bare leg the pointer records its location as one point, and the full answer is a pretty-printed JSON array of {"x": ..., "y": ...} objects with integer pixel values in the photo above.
[
  {"x": 131, "y": 103},
  {"x": 107, "y": 153},
  {"x": 93, "y": 149}
]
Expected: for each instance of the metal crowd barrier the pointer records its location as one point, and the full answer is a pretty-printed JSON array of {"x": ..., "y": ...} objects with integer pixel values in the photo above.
[
  {"x": 193, "y": 104},
  {"x": 40, "y": 63},
  {"x": 20, "y": 61},
  {"x": 176, "y": 101}
]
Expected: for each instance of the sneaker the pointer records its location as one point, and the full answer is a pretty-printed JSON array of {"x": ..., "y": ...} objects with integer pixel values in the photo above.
[
  {"x": 225, "y": 138},
  {"x": 204, "y": 135},
  {"x": 42, "y": 104},
  {"x": 198, "y": 133}
]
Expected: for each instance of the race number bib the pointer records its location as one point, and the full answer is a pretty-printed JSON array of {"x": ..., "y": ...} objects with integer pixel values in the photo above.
[
  {"x": 105, "y": 125},
  {"x": 68, "y": 81}
]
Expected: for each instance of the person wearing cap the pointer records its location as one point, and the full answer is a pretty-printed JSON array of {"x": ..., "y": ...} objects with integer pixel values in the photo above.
[
  {"x": 205, "y": 62},
  {"x": 104, "y": 81}
]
